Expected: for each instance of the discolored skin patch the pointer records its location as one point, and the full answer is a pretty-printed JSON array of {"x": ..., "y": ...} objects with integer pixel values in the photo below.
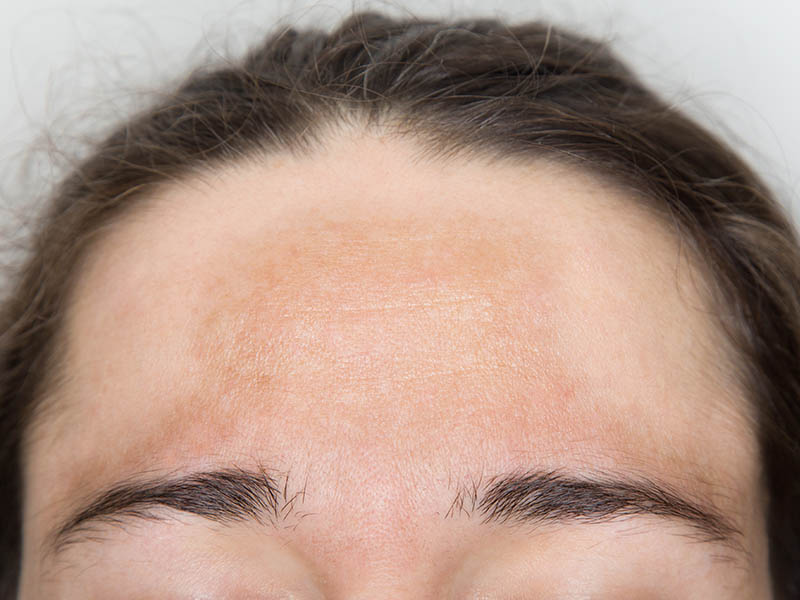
[{"x": 385, "y": 330}]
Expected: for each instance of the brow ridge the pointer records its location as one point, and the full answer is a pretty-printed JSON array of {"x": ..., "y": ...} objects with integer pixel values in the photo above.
[{"x": 235, "y": 495}]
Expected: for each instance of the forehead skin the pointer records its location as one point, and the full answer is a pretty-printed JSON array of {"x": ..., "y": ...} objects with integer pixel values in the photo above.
[{"x": 384, "y": 328}]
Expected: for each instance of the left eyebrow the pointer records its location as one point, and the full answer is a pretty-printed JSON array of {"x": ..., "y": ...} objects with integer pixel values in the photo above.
[{"x": 556, "y": 497}]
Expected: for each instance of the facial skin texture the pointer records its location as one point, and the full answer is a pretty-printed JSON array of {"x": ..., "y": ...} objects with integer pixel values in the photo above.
[{"x": 389, "y": 331}]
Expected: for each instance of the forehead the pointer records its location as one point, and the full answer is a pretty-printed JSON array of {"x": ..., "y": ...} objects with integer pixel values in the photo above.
[{"x": 436, "y": 317}]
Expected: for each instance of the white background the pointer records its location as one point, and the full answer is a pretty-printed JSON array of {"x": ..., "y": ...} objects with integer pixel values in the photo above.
[{"x": 69, "y": 66}]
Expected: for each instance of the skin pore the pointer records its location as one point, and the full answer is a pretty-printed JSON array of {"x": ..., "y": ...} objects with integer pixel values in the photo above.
[{"x": 380, "y": 340}]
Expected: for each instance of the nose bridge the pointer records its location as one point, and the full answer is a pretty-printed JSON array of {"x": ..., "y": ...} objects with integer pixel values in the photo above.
[
  {"x": 393, "y": 589},
  {"x": 385, "y": 579},
  {"x": 378, "y": 541}
]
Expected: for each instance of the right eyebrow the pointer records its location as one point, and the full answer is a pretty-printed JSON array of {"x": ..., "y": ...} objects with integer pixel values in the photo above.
[{"x": 224, "y": 496}]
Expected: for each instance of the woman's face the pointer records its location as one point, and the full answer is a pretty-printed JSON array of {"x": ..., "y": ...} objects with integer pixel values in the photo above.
[{"x": 359, "y": 375}]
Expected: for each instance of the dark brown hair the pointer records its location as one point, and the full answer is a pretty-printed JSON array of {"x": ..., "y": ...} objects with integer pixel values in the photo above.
[{"x": 513, "y": 91}]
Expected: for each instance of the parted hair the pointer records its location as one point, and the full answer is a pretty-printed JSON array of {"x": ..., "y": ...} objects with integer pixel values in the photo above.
[{"x": 514, "y": 91}]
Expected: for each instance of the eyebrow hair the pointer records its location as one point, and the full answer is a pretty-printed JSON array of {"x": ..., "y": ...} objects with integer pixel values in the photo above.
[
  {"x": 525, "y": 497},
  {"x": 225, "y": 496},
  {"x": 531, "y": 497}
]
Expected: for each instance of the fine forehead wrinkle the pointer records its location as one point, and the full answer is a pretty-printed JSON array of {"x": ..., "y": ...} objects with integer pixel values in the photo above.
[{"x": 236, "y": 495}]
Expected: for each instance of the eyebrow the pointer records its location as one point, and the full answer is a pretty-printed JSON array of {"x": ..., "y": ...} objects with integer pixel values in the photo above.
[
  {"x": 224, "y": 496},
  {"x": 237, "y": 495},
  {"x": 532, "y": 497}
]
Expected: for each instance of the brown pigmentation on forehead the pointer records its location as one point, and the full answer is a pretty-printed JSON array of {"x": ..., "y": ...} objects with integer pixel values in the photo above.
[{"x": 388, "y": 336}]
